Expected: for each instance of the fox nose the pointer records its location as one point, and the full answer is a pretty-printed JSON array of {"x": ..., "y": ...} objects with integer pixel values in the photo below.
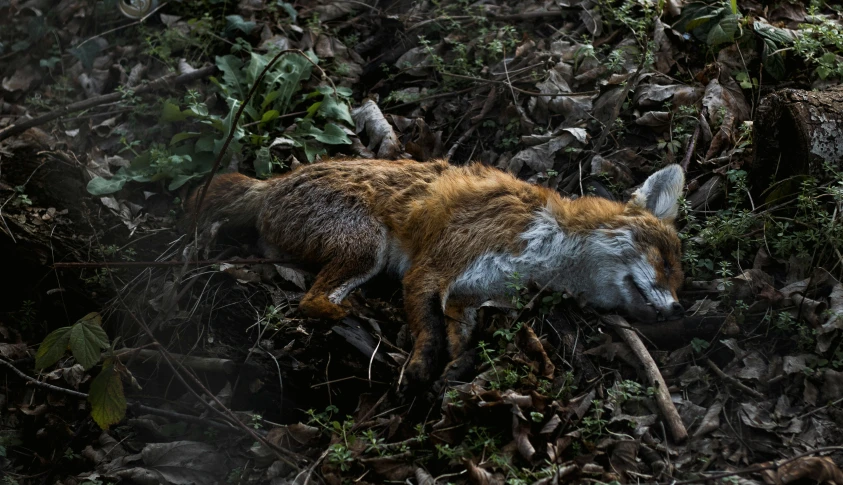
[{"x": 676, "y": 310}]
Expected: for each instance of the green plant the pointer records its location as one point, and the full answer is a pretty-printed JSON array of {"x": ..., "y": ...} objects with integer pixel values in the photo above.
[
  {"x": 86, "y": 339},
  {"x": 714, "y": 24},
  {"x": 191, "y": 153},
  {"x": 698, "y": 345},
  {"x": 593, "y": 424},
  {"x": 517, "y": 290},
  {"x": 341, "y": 456}
]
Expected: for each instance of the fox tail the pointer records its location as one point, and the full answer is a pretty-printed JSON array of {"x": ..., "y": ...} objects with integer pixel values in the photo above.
[{"x": 231, "y": 196}]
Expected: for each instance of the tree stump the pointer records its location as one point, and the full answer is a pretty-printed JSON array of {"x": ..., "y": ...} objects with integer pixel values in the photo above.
[{"x": 795, "y": 133}]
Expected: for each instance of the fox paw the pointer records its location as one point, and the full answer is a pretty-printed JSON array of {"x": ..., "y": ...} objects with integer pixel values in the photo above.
[{"x": 320, "y": 307}]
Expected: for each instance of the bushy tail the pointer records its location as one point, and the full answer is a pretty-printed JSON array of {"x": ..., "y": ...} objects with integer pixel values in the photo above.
[{"x": 231, "y": 196}]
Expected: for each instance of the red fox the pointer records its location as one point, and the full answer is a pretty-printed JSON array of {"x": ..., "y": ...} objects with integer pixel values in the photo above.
[{"x": 456, "y": 235}]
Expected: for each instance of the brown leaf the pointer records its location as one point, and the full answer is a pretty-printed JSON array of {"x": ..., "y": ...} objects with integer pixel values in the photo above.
[
  {"x": 529, "y": 343},
  {"x": 819, "y": 469},
  {"x": 481, "y": 476}
]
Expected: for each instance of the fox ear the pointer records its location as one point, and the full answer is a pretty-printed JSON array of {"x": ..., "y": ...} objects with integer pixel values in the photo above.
[{"x": 660, "y": 193}]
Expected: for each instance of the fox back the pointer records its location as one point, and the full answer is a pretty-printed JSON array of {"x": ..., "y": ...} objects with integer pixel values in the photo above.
[{"x": 456, "y": 236}]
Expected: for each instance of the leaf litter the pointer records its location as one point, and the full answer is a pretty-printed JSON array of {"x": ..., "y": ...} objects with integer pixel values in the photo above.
[{"x": 754, "y": 370}]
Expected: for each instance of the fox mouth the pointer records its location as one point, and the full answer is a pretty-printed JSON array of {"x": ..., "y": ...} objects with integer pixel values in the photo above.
[{"x": 639, "y": 306}]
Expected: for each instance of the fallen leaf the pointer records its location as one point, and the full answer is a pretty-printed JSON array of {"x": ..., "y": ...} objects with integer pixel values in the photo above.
[{"x": 368, "y": 118}]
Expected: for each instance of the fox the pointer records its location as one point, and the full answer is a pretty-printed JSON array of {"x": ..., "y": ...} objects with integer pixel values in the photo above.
[{"x": 455, "y": 235}]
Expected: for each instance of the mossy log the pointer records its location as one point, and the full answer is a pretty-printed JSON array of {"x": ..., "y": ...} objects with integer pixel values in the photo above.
[{"x": 797, "y": 132}]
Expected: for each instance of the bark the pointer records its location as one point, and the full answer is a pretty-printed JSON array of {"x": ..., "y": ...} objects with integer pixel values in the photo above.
[{"x": 796, "y": 132}]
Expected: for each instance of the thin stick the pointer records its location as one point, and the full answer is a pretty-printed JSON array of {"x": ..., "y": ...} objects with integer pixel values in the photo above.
[
  {"x": 654, "y": 376},
  {"x": 162, "y": 264},
  {"x": 137, "y": 406},
  {"x": 161, "y": 82},
  {"x": 522, "y": 91},
  {"x": 732, "y": 381}
]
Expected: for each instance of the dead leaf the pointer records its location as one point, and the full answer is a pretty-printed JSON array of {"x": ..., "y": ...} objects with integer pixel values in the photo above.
[
  {"x": 177, "y": 463},
  {"x": 368, "y": 117},
  {"x": 817, "y": 469},
  {"x": 481, "y": 476}
]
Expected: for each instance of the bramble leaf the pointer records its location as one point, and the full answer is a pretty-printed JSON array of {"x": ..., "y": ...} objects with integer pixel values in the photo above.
[
  {"x": 87, "y": 338},
  {"x": 52, "y": 348},
  {"x": 108, "y": 403}
]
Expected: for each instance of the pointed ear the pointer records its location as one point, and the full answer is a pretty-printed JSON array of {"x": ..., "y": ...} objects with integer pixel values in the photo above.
[{"x": 660, "y": 193}]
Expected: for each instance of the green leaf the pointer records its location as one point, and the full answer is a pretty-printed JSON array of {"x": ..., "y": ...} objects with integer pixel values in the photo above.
[
  {"x": 257, "y": 63},
  {"x": 333, "y": 110},
  {"x": 698, "y": 22},
  {"x": 87, "y": 338},
  {"x": 52, "y": 348},
  {"x": 232, "y": 75},
  {"x": 734, "y": 5},
  {"x": 773, "y": 61},
  {"x": 108, "y": 403},
  {"x": 182, "y": 179},
  {"x": 312, "y": 149},
  {"x": 777, "y": 35},
  {"x": 185, "y": 135},
  {"x": 269, "y": 116},
  {"x": 333, "y": 135},
  {"x": 102, "y": 186},
  {"x": 724, "y": 31},
  {"x": 171, "y": 113},
  {"x": 205, "y": 143},
  {"x": 236, "y": 22},
  {"x": 289, "y": 9},
  {"x": 86, "y": 53},
  {"x": 286, "y": 77}
]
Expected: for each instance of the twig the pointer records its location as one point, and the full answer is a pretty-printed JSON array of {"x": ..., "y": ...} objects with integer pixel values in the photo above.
[
  {"x": 161, "y": 82},
  {"x": 692, "y": 147},
  {"x": 136, "y": 406},
  {"x": 428, "y": 98},
  {"x": 654, "y": 376},
  {"x": 201, "y": 364},
  {"x": 163, "y": 264},
  {"x": 460, "y": 141},
  {"x": 38, "y": 383},
  {"x": 732, "y": 381},
  {"x": 754, "y": 469},
  {"x": 522, "y": 91},
  {"x": 503, "y": 18}
]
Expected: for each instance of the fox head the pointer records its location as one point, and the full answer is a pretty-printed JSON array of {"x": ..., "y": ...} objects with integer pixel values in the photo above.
[{"x": 639, "y": 252}]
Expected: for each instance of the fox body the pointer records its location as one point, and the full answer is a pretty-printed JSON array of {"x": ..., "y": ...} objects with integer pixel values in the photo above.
[{"x": 456, "y": 236}]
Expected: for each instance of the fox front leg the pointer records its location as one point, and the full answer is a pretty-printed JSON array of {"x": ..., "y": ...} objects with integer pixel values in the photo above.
[{"x": 423, "y": 305}]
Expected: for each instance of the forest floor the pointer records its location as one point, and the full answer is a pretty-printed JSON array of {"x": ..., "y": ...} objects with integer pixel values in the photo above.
[{"x": 121, "y": 363}]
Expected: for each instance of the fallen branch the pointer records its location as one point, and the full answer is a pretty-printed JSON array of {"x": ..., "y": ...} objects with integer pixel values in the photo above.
[
  {"x": 732, "y": 381},
  {"x": 161, "y": 82},
  {"x": 200, "y": 364},
  {"x": 654, "y": 376}
]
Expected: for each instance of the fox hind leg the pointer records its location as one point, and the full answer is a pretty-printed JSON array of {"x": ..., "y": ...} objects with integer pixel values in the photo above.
[{"x": 357, "y": 258}]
